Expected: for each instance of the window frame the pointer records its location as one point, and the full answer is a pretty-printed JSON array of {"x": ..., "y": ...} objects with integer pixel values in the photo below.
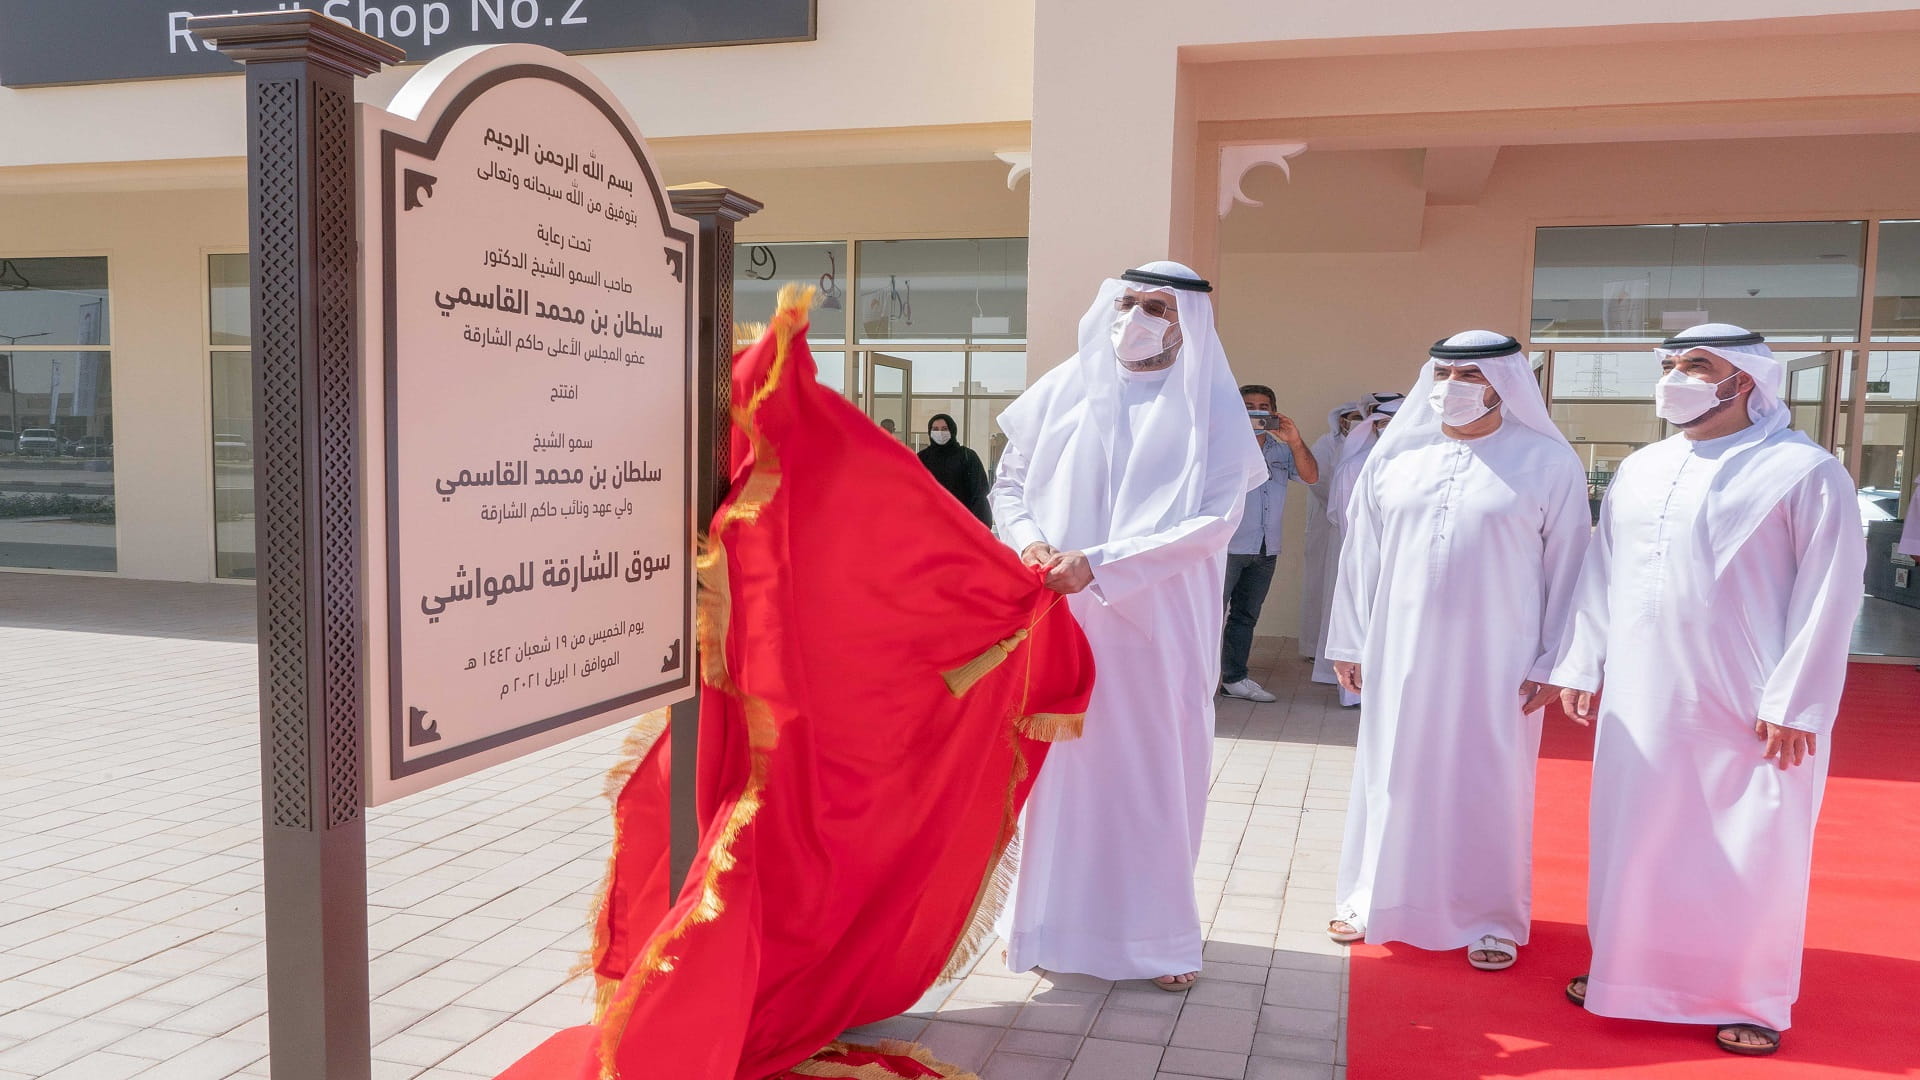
[{"x": 113, "y": 320}]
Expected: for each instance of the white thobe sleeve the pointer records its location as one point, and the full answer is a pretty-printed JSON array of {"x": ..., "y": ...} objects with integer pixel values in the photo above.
[
  {"x": 1582, "y": 660},
  {"x": 1359, "y": 576},
  {"x": 1127, "y": 565},
  {"x": 1009, "y": 498},
  {"x": 1823, "y": 512},
  {"x": 1568, "y": 528}
]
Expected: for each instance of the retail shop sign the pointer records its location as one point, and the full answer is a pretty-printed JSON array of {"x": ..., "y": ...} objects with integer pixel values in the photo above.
[
  {"x": 530, "y": 319},
  {"x": 51, "y": 42}
]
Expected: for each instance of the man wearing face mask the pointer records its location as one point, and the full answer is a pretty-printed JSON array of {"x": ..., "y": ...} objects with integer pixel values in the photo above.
[
  {"x": 1318, "y": 562},
  {"x": 1125, "y": 473},
  {"x": 1380, "y": 409},
  {"x": 1255, "y": 549},
  {"x": 1470, "y": 514},
  {"x": 1715, "y": 607}
]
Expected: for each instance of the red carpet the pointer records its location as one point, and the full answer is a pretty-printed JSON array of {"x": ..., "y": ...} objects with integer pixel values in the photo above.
[{"x": 1417, "y": 1015}]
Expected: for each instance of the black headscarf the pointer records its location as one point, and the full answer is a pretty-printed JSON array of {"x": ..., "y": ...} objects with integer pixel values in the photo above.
[{"x": 958, "y": 469}]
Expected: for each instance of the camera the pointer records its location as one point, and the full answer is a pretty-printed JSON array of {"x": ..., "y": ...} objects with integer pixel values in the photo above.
[{"x": 1263, "y": 420}]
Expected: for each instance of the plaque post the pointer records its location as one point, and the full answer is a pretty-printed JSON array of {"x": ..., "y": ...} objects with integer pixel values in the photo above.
[
  {"x": 716, "y": 209},
  {"x": 300, "y": 69}
]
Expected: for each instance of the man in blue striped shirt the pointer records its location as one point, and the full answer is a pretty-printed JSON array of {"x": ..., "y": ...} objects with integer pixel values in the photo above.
[{"x": 1256, "y": 546}]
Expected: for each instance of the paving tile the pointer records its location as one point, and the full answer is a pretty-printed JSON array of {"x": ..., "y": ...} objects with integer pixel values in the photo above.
[
  {"x": 1287, "y": 1020},
  {"x": 1101, "y": 1059},
  {"x": 1024, "y": 1067},
  {"x": 1211, "y": 1027},
  {"x": 1294, "y": 1047},
  {"x": 1131, "y": 1025},
  {"x": 1266, "y": 1068},
  {"x": 965, "y": 1045},
  {"x": 1214, "y": 1063},
  {"x": 1067, "y": 1011}
]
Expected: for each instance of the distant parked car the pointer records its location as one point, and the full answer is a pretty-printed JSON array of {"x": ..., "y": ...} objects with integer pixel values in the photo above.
[
  {"x": 9, "y": 441},
  {"x": 38, "y": 442},
  {"x": 91, "y": 446},
  {"x": 1878, "y": 504},
  {"x": 228, "y": 446}
]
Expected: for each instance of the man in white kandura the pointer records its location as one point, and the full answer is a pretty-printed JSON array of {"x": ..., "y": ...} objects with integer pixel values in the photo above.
[
  {"x": 1321, "y": 558},
  {"x": 1465, "y": 534},
  {"x": 1354, "y": 451},
  {"x": 1716, "y": 606},
  {"x": 1125, "y": 473}
]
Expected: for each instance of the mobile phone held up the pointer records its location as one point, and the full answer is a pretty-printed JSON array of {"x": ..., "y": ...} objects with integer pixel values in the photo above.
[{"x": 1263, "y": 420}]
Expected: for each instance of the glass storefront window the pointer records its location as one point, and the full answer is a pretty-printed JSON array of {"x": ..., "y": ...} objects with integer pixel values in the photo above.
[
  {"x": 1896, "y": 283},
  {"x": 56, "y": 416},
  {"x": 229, "y": 300},
  {"x": 1791, "y": 280},
  {"x": 230, "y": 361},
  {"x": 56, "y": 461},
  {"x": 53, "y": 302},
  {"x": 759, "y": 270},
  {"x": 942, "y": 291},
  {"x": 938, "y": 325}
]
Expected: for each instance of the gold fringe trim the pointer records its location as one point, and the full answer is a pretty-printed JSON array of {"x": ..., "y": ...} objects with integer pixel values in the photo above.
[
  {"x": 892, "y": 1047},
  {"x": 968, "y": 675},
  {"x": 763, "y": 482},
  {"x": 713, "y": 611},
  {"x": 633, "y": 750},
  {"x": 1053, "y": 727},
  {"x": 995, "y": 890}
]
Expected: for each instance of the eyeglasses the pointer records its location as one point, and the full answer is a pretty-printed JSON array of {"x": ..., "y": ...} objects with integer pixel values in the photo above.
[{"x": 1153, "y": 306}]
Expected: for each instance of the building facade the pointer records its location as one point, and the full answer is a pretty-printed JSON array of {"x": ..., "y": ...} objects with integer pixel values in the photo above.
[{"x": 956, "y": 179}]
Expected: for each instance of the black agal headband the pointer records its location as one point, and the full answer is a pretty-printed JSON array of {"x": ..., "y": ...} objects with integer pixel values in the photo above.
[
  {"x": 1682, "y": 341},
  {"x": 1454, "y": 354},
  {"x": 1167, "y": 281}
]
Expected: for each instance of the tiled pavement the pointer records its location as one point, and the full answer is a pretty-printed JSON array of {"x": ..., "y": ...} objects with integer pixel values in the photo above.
[{"x": 130, "y": 930}]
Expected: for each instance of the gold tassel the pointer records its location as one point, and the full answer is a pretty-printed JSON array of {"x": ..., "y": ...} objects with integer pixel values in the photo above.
[
  {"x": 965, "y": 677},
  {"x": 1053, "y": 727}
]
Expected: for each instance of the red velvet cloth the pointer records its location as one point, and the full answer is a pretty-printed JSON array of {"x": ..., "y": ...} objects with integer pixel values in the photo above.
[{"x": 851, "y": 805}]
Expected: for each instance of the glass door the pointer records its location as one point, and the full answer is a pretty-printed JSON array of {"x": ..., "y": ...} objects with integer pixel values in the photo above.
[{"x": 889, "y": 402}]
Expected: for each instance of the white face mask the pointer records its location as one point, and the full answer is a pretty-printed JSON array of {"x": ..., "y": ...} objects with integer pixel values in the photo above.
[
  {"x": 1678, "y": 399},
  {"x": 1459, "y": 403},
  {"x": 1139, "y": 336},
  {"x": 940, "y": 438}
]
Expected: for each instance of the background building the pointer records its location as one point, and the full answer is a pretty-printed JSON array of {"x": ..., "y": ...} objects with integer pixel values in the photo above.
[{"x": 1359, "y": 180}]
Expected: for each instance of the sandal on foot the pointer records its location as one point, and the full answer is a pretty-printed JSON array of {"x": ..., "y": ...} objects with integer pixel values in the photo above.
[
  {"x": 1746, "y": 1049},
  {"x": 1171, "y": 985},
  {"x": 1577, "y": 991},
  {"x": 1353, "y": 932},
  {"x": 1507, "y": 950}
]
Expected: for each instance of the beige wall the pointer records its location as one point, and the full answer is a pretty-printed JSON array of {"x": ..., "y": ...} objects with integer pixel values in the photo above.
[
  {"x": 156, "y": 245},
  {"x": 1322, "y": 327}
]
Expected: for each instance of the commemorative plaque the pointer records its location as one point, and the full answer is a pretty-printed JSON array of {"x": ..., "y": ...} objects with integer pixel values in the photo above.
[{"x": 529, "y": 414}]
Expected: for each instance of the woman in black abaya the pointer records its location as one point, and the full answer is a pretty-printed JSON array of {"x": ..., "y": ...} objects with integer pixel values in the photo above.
[{"x": 957, "y": 468}]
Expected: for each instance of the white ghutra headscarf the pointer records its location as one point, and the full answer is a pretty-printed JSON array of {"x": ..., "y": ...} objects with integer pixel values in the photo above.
[
  {"x": 1194, "y": 438},
  {"x": 1764, "y": 464},
  {"x": 1505, "y": 365}
]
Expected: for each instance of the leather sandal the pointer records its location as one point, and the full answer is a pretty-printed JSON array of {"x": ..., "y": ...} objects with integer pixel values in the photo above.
[
  {"x": 1745, "y": 1049},
  {"x": 1497, "y": 946}
]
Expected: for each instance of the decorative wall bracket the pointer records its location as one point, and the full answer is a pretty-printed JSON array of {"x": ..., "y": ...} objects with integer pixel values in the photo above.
[
  {"x": 1236, "y": 160},
  {"x": 1019, "y": 164}
]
